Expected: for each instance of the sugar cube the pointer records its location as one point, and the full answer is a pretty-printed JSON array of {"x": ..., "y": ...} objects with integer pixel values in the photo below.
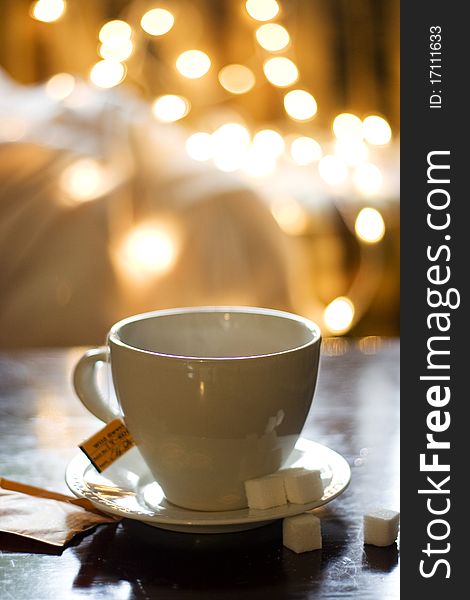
[
  {"x": 303, "y": 486},
  {"x": 381, "y": 527},
  {"x": 265, "y": 492},
  {"x": 302, "y": 533}
]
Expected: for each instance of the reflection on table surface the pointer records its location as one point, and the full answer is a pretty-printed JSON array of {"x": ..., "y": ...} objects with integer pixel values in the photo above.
[{"x": 355, "y": 412}]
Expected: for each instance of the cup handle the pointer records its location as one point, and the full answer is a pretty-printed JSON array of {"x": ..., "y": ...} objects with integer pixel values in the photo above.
[{"x": 84, "y": 382}]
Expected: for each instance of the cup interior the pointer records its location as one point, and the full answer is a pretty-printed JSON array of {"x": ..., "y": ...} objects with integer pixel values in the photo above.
[{"x": 216, "y": 332}]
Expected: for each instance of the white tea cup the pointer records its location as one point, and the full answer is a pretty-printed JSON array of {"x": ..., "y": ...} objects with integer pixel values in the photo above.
[{"x": 212, "y": 396}]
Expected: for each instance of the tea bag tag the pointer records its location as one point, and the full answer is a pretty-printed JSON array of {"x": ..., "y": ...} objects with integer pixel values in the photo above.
[{"x": 107, "y": 445}]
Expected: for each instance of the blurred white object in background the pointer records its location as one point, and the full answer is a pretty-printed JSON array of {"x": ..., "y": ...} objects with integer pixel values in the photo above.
[{"x": 102, "y": 215}]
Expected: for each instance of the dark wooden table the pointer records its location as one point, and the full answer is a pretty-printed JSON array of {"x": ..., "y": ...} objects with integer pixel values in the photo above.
[{"x": 356, "y": 412}]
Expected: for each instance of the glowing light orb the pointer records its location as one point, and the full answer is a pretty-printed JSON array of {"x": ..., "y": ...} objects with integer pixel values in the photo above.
[
  {"x": 148, "y": 249},
  {"x": 230, "y": 145},
  {"x": 107, "y": 73},
  {"x": 262, "y": 10},
  {"x": 352, "y": 151},
  {"x": 116, "y": 49},
  {"x": 290, "y": 216},
  {"x": 305, "y": 150},
  {"x": 199, "y": 146},
  {"x": 170, "y": 108},
  {"x": 280, "y": 71},
  {"x": 157, "y": 21},
  {"x": 369, "y": 225},
  {"x": 60, "y": 86},
  {"x": 269, "y": 142},
  {"x": 115, "y": 30},
  {"x": 368, "y": 179},
  {"x": 338, "y": 315},
  {"x": 300, "y": 105},
  {"x": 193, "y": 64},
  {"x": 347, "y": 125},
  {"x": 84, "y": 180},
  {"x": 272, "y": 37},
  {"x": 376, "y": 130},
  {"x": 48, "y": 11},
  {"x": 332, "y": 170},
  {"x": 237, "y": 79},
  {"x": 258, "y": 163}
]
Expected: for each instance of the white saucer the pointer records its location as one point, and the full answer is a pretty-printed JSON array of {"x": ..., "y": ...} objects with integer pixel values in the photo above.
[{"x": 128, "y": 489}]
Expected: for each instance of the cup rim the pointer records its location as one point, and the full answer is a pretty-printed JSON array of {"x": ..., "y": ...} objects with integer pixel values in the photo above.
[{"x": 113, "y": 335}]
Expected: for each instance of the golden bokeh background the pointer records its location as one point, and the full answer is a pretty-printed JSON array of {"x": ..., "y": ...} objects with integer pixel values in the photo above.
[{"x": 173, "y": 153}]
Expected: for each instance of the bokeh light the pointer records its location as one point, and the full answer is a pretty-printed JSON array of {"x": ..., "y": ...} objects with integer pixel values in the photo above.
[
  {"x": 60, "y": 86},
  {"x": 262, "y": 10},
  {"x": 170, "y": 108},
  {"x": 237, "y": 79},
  {"x": 300, "y": 105},
  {"x": 280, "y": 71},
  {"x": 272, "y": 37},
  {"x": 148, "y": 249},
  {"x": 290, "y": 216},
  {"x": 157, "y": 21},
  {"x": 338, "y": 315},
  {"x": 376, "y": 130},
  {"x": 230, "y": 145},
  {"x": 193, "y": 64},
  {"x": 269, "y": 142},
  {"x": 115, "y": 30},
  {"x": 107, "y": 73},
  {"x": 335, "y": 346},
  {"x": 117, "y": 49},
  {"x": 47, "y": 11},
  {"x": 305, "y": 150},
  {"x": 347, "y": 125},
  {"x": 199, "y": 146},
  {"x": 371, "y": 344},
  {"x": 368, "y": 179},
  {"x": 353, "y": 151},
  {"x": 332, "y": 170},
  {"x": 369, "y": 225},
  {"x": 84, "y": 180},
  {"x": 258, "y": 163}
]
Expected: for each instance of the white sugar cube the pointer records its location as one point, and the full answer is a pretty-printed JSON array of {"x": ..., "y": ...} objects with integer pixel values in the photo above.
[
  {"x": 265, "y": 492},
  {"x": 303, "y": 486},
  {"x": 381, "y": 527},
  {"x": 302, "y": 533}
]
